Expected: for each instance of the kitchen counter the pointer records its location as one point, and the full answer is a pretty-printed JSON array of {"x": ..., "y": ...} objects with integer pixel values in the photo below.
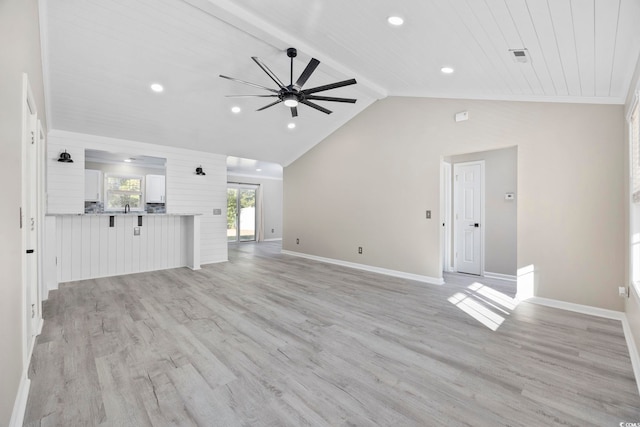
[{"x": 128, "y": 214}]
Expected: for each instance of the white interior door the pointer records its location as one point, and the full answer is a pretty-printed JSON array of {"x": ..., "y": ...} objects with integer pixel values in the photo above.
[
  {"x": 30, "y": 222},
  {"x": 468, "y": 207}
]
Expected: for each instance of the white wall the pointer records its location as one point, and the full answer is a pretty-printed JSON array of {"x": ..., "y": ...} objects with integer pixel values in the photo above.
[
  {"x": 123, "y": 169},
  {"x": 500, "y": 225},
  {"x": 370, "y": 182},
  {"x": 20, "y": 53},
  {"x": 186, "y": 191},
  {"x": 632, "y": 304},
  {"x": 272, "y": 200}
]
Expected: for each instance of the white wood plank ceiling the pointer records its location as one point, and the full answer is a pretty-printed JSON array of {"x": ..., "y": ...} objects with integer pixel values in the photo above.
[{"x": 101, "y": 56}]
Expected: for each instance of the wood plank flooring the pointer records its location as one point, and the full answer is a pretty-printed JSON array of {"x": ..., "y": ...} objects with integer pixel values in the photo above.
[{"x": 269, "y": 339}]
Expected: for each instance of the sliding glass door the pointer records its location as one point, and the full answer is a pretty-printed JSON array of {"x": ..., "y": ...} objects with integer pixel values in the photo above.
[{"x": 241, "y": 213}]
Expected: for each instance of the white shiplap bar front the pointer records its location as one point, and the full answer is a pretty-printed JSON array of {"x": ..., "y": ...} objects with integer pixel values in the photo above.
[
  {"x": 186, "y": 193},
  {"x": 86, "y": 247}
]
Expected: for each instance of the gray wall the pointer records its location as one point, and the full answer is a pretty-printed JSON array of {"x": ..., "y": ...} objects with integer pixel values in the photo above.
[
  {"x": 370, "y": 182},
  {"x": 20, "y": 53},
  {"x": 272, "y": 200},
  {"x": 500, "y": 229}
]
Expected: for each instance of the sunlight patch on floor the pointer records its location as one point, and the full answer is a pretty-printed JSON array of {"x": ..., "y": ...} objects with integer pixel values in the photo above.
[{"x": 484, "y": 304}]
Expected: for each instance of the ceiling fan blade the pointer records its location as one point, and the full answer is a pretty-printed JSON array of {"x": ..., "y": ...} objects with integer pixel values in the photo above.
[
  {"x": 270, "y": 105},
  {"x": 294, "y": 112},
  {"x": 329, "y": 86},
  {"x": 311, "y": 67},
  {"x": 268, "y": 71},
  {"x": 249, "y": 83},
  {"x": 328, "y": 98},
  {"x": 316, "y": 106},
  {"x": 250, "y": 96}
]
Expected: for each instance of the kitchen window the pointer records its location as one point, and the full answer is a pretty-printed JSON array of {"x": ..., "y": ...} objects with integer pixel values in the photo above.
[{"x": 121, "y": 190}]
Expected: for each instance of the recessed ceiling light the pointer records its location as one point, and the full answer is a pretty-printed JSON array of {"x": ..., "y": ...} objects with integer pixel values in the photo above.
[
  {"x": 291, "y": 125},
  {"x": 395, "y": 20},
  {"x": 446, "y": 70},
  {"x": 157, "y": 87},
  {"x": 258, "y": 170},
  {"x": 127, "y": 160},
  {"x": 235, "y": 110}
]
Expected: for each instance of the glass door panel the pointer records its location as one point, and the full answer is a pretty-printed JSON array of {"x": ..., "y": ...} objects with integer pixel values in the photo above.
[
  {"x": 247, "y": 218},
  {"x": 232, "y": 214},
  {"x": 241, "y": 214}
]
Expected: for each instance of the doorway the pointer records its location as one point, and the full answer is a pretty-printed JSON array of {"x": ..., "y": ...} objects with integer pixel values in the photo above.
[
  {"x": 241, "y": 213},
  {"x": 496, "y": 232}
]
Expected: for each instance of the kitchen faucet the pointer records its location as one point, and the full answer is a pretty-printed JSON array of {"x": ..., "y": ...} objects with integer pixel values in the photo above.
[{"x": 127, "y": 208}]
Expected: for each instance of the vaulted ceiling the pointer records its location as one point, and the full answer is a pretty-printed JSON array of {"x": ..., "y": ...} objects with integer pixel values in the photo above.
[{"x": 101, "y": 56}]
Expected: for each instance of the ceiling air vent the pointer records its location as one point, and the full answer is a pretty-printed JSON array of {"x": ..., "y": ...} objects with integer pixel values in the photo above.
[{"x": 519, "y": 55}]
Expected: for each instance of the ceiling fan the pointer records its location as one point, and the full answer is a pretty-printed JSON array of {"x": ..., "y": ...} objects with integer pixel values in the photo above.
[{"x": 293, "y": 94}]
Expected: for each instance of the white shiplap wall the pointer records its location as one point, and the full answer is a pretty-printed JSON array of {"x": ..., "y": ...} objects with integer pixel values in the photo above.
[
  {"x": 187, "y": 193},
  {"x": 87, "y": 247}
]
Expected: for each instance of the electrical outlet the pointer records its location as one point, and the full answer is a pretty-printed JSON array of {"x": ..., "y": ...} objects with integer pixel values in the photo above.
[
  {"x": 360, "y": 250},
  {"x": 297, "y": 241},
  {"x": 623, "y": 292},
  {"x": 136, "y": 231},
  {"x": 428, "y": 214}
]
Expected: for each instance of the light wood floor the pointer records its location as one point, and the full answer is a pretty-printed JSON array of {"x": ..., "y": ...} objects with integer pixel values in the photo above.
[{"x": 269, "y": 339}]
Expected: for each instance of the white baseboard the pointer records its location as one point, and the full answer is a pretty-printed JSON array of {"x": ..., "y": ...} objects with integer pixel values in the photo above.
[
  {"x": 600, "y": 312},
  {"x": 578, "y": 308},
  {"x": 20, "y": 405},
  {"x": 633, "y": 350},
  {"x": 372, "y": 269},
  {"x": 279, "y": 239},
  {"x": 509, "y": 277}
]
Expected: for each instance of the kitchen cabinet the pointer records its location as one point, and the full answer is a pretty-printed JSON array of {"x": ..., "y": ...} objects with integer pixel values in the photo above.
[
  {"x": 92, "y": 185},
  {"x": 155, "y": 189}
]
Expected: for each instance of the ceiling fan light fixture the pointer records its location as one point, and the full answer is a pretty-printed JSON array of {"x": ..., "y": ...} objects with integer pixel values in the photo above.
[{"x": 290, "y": 100}]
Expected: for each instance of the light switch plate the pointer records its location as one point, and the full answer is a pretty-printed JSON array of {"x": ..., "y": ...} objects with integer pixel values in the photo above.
[{"x": 136, "y": 231}]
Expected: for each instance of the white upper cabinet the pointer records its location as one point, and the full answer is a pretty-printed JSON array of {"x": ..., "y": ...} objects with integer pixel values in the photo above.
[
  {"x": 155, "y": 189},
  {"x": 92, "y": 185}
]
